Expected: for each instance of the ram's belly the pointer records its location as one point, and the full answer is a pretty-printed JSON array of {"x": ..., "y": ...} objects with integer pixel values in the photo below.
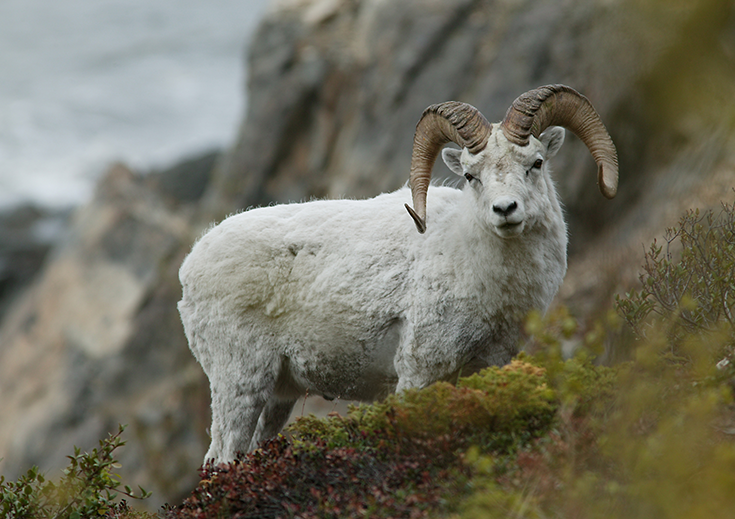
[{"x": 343, "y": 362}]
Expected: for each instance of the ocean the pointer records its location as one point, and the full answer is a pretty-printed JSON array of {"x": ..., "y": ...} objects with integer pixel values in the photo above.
[{"x": 84, "y": 83}]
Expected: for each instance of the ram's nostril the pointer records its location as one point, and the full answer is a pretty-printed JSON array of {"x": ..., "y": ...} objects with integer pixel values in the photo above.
[{"x": 505, "y": 208}]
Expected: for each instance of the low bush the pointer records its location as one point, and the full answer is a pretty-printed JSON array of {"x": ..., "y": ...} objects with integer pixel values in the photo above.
[
  {"x": 688, "y": 283},
  {"x": 404, "y": 457},
  {"x": 88, "y": 488}
]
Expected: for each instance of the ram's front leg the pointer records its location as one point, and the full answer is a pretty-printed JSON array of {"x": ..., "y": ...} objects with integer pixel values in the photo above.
[{"x": 419, "y": 367}]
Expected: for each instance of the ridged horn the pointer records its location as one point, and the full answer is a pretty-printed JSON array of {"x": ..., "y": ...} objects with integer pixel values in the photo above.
[
  {"x": 559, "y": 105},
  {"x": 441, "y": 123}
]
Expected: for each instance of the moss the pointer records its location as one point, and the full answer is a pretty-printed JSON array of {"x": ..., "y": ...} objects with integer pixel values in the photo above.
[{"x": 498, "y": 407}]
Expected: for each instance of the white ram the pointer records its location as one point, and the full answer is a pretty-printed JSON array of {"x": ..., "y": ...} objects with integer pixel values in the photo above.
[{"x": 343, "y": 298}]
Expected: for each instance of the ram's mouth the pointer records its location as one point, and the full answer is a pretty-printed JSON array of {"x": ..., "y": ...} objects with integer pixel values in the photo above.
[{"x": 510, "y": 229}]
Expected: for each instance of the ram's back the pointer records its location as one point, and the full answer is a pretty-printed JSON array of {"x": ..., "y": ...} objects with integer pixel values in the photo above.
[{"x": 328, "y": 273}]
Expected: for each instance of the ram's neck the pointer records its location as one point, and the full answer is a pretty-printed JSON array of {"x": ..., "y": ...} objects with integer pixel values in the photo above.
[{"x": 517, "y": 274}]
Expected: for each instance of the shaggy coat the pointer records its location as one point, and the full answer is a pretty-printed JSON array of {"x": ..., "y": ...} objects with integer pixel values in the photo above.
[{"x": 343, "y": 298}]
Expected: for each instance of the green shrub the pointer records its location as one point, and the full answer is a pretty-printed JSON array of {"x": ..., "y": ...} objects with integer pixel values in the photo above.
[
  {"x": 654, "y": 437},
  {"x": 88, "y": 488},
  {"x": 688, "y": 283}
]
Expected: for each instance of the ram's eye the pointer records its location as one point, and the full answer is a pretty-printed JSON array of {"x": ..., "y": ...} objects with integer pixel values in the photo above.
[
  {"x": 469, "y": 177},
  {"x": 538, "y": 163}
]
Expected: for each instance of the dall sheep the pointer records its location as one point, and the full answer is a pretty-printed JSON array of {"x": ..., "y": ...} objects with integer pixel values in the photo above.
[{"x": 343, "y": 298}]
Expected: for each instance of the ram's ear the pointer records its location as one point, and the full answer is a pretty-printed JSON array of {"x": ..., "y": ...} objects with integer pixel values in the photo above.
[
  {"x": 450, "y": 156},
  {"x": 552, "y": 138}
]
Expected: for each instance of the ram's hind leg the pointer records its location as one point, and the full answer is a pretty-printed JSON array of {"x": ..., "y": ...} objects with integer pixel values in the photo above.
[
  {"x": 235, "y": 415},
  {"x": 238, "y": 401},
  {"x": 272, "y": 420}
]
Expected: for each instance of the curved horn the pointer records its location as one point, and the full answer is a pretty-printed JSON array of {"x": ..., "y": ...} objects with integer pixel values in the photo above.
[
  {"x": 439, "y": 124},
  {"x": 559, "y": 105}
]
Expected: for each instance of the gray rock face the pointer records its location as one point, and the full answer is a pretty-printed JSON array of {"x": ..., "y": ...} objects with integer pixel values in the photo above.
[
  {"x": 27, "y": 234},
  {"x": 337, "y": 86},
  {"x": 339, "y": 119},
  {"x": 335, "y": 89},
  {"x": 96, "y": 341}
]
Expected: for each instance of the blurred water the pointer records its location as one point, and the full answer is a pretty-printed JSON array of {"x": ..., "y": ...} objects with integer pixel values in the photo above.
[{"x": 87, "y": 82}]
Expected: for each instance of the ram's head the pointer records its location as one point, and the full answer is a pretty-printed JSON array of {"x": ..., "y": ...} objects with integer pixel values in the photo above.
[{"x": 505, "y": 163}]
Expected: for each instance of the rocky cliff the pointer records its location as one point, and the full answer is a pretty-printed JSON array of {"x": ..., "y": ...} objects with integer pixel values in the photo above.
[
  {"x": 337, "y": 86},
  {"x": 335, "y": 89},
  {"x": 95, "y": 342}
]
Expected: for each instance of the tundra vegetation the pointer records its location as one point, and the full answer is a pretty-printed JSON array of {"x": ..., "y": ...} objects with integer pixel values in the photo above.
[{"x": 652, "y": 435}]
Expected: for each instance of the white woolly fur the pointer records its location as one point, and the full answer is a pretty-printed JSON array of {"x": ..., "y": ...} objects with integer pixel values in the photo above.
[{"x": 343, "y": 298}]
